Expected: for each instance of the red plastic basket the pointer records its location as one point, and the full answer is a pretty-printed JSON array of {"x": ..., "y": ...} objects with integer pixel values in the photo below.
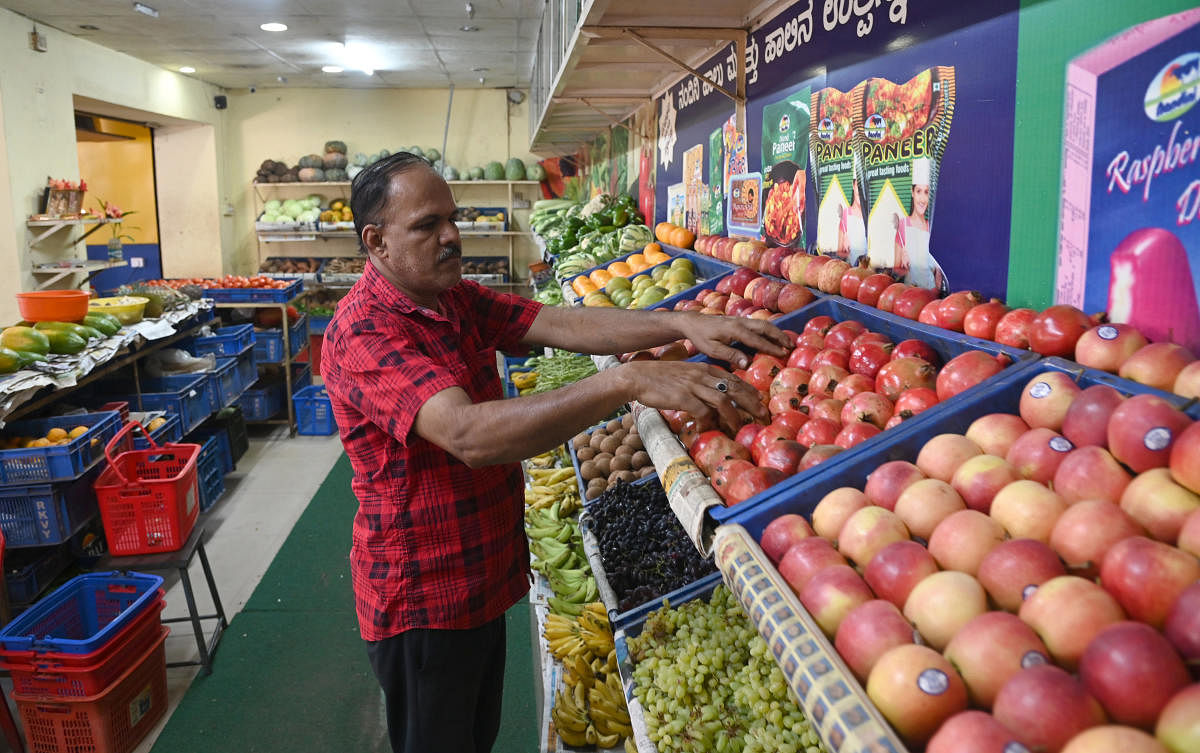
[
  {"x": 52, "y": 676},
  {"x": 149, "y": 499},
  {"x": 113, "y": 721}
]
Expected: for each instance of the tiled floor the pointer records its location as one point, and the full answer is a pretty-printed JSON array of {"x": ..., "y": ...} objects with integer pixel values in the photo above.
[{"x": 264, "y": 497}]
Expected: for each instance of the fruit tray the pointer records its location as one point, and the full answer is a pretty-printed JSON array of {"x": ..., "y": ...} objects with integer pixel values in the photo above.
[
  {"x": 707, "y": 270},
  {"x": 711, "y": 284},
  {"x": 579, "y": 474},
  {"x": 255, "y": 295},
  {"x": 81, "y": 615},
  {"x": 225, "y": 341},
  {"x": 1002, "y": 394},
  {"x": 268, "y": 343},
  {"x": 57, "y": 462},
  {"x": 44, "y": 514},
  {"x": 511, "y": 364},
  {"x": 898, "y": 329},
  {"x": 673, "y": 251}
]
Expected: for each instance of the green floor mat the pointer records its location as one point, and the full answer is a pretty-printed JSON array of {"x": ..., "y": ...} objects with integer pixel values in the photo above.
[{"x": 291, "y": 673}]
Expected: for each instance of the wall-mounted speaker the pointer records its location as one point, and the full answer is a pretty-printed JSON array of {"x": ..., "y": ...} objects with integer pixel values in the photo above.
[{"x": 220, "y": 102}]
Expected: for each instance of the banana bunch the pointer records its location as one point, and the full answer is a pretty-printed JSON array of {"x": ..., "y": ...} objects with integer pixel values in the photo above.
[
  {"x": 591, "y": 709},
  {"x": 595, "y": 630},
  {"x": 555, "y": 458},
  {"x": 524, "y": 380},
  {"x": 550, "y": 485},
  {"x": 562, "y": 635},
  {"x": 607, "y": 709},
  {"x": 572, "y": 589}
]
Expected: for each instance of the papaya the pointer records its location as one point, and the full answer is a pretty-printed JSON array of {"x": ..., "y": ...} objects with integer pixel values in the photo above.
[
  {"x": 103, "y": 325},
  {"x": 28, "y": 358},
  {"x": 9, "y": 361},
  {"x": 86, "y": 333},
  {"x": 24, "y": 338},
  {"x": 64, "y": 341},
  {"x": 105, "y": 316}
]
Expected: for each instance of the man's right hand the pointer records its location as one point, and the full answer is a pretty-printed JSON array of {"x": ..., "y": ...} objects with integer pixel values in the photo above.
[{"x": 695, "y": 388}]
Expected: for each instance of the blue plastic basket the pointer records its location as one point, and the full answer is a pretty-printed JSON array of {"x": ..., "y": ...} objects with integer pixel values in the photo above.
[
  {"x": 1000, "y": 395},
  {"x": 81, "y": 616},
  {"x": 261, "y": 402},
  {"x": 185, "y": 395},
  {"x": 947, "y": 344},
  {"x": 225, "y": 341},
  {"x": 268, "y": 343},
  {"x": 44, "y": 514},
  {"x": 27, "y": 573},
  {"x": 317, "y": 324},
  {"x": 224, "y": 448},
  {"x": 301, "y": 376},
  {"x": 210, "y": 474},
  {"x": 255, "y": 295},
  {"x": 57, "y": 462},
  {"x": 511, "y": 364},
  {"x": 171, "y": 431},
  {"x": 314, "y": 412},
  {"x": 246, "y": 369},
  {"x": 224, "y": 379},
  {"x": 579, "y": 475}
]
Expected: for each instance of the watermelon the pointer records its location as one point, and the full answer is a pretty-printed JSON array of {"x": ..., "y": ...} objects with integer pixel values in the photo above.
[
  {"x": 311, "y": 175},
  {"x": 493, "y": 171},
  {"x": 336, "y": 174},
  {"x": 535, "y": 171},
  {"x": 514, "y": 170},
  {"x": 475, "y": 173},
  {"x": 449, "y": 172},
  {"x": 433, "y": 155},
  {"x": 417, "y": 151}
]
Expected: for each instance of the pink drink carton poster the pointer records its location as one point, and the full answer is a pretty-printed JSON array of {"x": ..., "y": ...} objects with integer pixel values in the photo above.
[{"x": 1129, "y": 222}]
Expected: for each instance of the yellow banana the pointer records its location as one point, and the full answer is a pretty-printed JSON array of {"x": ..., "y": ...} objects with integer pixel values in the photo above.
[{"x": 607, "y": 741}]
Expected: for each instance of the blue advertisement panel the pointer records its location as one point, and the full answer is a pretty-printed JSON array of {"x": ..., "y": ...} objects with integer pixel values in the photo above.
[{"x": 839, "y": 45}]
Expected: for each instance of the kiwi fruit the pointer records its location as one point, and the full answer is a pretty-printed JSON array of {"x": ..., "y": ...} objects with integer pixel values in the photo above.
[
  {"x": 580, "y": 440},
  {"x": 619, "y": 435},
  {"x": 633, "y": 442},
  {"x": 610, "y": 444},
  {"x": 612, "y": 425},
  {"x": 620, "y": 463},
  {"x": 627, "y": 421},
  {"x": 593, "y": 492},
  {"x": 645, "y": 471},
  {"x": 624, "y": 449},
  {"x": 601, "y": 463},
  {"x": 600, "y": 481},
  {"x": 627, "y": 476},
  {"x": 588, "y": 470},
  {"x": 587, "y": 453},
  {"x": 597, "y": 438},
  {"x": 640, "y": 459}
]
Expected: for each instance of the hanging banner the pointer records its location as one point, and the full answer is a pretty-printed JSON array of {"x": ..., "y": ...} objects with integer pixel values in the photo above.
[{"x": 785, "y": 168}]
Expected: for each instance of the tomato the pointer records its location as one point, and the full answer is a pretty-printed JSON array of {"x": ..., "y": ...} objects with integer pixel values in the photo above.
[
  {"x": 967, "y": 370},
  {"x": 1055, "y": 331}
]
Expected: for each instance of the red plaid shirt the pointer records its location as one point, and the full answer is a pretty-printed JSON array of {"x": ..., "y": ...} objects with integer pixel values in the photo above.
[{"x": 436, "y": 544}]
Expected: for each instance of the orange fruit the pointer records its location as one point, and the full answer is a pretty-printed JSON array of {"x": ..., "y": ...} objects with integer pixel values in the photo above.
[
  {"x": 662, "y": 231},
  {"x": 637, "y": 262},
  {"x": 582, "y": 285},
  {"x": 620, "y": 269},
  {"x": 600, "y": 277}
]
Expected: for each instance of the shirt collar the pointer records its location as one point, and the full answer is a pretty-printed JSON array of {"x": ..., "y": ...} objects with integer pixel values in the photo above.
[{"x": 393, "y": 299}]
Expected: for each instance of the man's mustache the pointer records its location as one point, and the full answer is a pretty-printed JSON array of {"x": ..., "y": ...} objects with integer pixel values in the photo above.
[{"x": 449, "y": 252}]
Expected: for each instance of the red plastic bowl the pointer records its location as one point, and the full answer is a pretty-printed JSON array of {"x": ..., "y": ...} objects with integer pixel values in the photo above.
[{"x": 53, "y": 305}]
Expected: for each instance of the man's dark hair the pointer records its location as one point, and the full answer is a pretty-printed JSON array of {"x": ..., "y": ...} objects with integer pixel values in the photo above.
[{"x": 369, "y": 191}]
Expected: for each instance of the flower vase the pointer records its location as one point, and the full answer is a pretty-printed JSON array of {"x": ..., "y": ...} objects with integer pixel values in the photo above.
[{"x": 115, "y": 250}]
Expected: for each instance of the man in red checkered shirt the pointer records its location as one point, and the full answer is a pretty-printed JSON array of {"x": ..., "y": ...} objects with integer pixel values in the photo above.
[{"x": 439, "y": 552}]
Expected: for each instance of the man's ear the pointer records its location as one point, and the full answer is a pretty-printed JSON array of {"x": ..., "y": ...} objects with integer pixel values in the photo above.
[{"x": 372, "y": 239}]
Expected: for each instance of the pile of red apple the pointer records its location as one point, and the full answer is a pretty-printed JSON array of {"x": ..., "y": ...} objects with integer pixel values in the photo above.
[
  {"x": 1041, "y": 569},
  {"x": 841, "y": 385}
]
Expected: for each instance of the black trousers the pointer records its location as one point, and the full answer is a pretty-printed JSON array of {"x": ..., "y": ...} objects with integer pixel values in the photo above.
[{"x": 443, "y": 688}]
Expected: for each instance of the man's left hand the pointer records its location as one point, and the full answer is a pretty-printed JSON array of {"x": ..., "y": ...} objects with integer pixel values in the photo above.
[{"x": 713, "y": 335}]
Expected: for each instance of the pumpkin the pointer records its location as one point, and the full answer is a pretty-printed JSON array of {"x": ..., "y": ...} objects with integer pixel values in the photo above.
[
  {"x": 311, "y": 174},
  {"x": 312, "y": 160},
  {"x": 335, "y": 146},
  {"x": 335, "y": 160}
]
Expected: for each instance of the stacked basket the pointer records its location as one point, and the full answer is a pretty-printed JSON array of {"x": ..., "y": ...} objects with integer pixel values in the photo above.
[{"x": 88, "y": 665}]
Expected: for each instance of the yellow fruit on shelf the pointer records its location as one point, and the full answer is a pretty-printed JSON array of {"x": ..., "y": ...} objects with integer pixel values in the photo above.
[
  {"x": 42, "y": 442},
  {"x": 77, "y": 432},
  {"x": 620, "y": 269},
  {"x": 56, "y": 434},
  {"x": 155, "y": 423},
  {"x": 600, "y": 277}
]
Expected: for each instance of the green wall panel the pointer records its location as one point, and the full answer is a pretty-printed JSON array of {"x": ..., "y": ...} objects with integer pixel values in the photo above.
[{"x": 1051, "y": 33}]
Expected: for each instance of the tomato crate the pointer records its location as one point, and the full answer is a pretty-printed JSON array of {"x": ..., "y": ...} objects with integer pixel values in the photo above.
[
  {"x": 45, "y": 514},
  {"x": 314, "y": 412},
  {"x": 185, "y": 395},
  {"x": 27, "y": 572},
  {"x": 225, "y": 341},
  {"x": 946, "y": 344},
  {"x": 112, "y": 721},
  {"x": 81, "y": 615},
  {"x": 51, "y": 675},
  {"x": 268, "y": 343},
  {"x": 255, "y": 295},
  {"x": 1001, "y": 394},
  {"x": 57, "y": 462},
  {"x": 149, "y": 499}
]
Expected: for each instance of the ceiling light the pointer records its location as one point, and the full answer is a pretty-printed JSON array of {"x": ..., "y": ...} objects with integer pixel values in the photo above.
[
  {"x": 331, "y": 68},
  {"x": 186, "y": 69},
  {"x": 359, "y": 56},
  {"x": 145, "y": 10},
  {"x": 468, "y": 27},
  {"x": 470, "y": 10},
  {"x": 273, "y": 26},
  {"x": 281, "y": 79}
]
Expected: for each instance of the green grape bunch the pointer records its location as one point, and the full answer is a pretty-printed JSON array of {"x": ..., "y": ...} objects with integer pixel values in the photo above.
[{"x": 707, "y": 682}]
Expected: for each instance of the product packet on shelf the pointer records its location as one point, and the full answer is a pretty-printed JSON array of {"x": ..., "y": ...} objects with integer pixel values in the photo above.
[
  {"x": 784, "y": 168},
  {"x": 841, "y": 231},
  {"x": 904, "y": 131}
]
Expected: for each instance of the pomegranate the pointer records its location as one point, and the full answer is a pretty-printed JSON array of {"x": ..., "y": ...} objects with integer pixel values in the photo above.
[
  {"x": 887, "y": 299},
  {"x": 902, "y": 374},
  {"x": 1013, "y": 328},
  {"x": 1055, "y": 331},
  {"x": 842, "y": 335},
  {"x": 967, "y": 370},
  {"x": 867, "y": 406},
  {"x": 929, "y": 313},
  {"x": 869, "y": 358},
  {"x": 852, "y": 385},
  {"x": 855, "y": 433},
  {"x": 802, "y": 357},
  {"x": 917, "y": 349},
  {"x": 910, "y": 303},
  {"x": 832, "y": 357},
  {"x": 982, "y": 319},
  {"x": 872, "y": 287},
  {"x": 825, "y": 380},
  {"x": 852, "y": 280},
  {"x": 819, "y": 324},
  {"x": 914, "y": 401},
  {"x": 954, "y": 309}
]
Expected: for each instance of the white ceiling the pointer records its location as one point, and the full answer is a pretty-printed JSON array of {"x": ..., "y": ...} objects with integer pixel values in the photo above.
[{"x": 418, "y": 43}]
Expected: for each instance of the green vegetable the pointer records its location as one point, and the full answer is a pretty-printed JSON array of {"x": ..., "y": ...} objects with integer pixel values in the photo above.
[{"x": 560, "y": 369}]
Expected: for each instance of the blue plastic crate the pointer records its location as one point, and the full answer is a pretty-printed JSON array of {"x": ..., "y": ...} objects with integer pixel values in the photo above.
[
  {"x": 255, "y": 295},
  {"x": 314, "y": 413},
  {"x": 1002, "y": 394},
  {"x": 57, "y": 462},
  {"x": 27, "y": 573},
  {"x": 947, "y": 344},
  {"x": 268, "y": 343},
  {"x": 209, "y": 474},
  {"x": 261, "y": 402},
  {"x": 301, "y": 376},
  {"x": 579, "y": 475},
  {"x": 225, "y": 341},
  {"x": 185, "y": 395},
  {"x": 171, "y": 431},
  {"x": 317, "y": 324},
  {"x": 224, "y": 379},
  {"x": 83, "y": 614},
  {"x": 246, "y": 369},
  {"x": 511, "y": 364},
  {"x": 707, "y": 270},
  {"x": 44, "y": 514},
  {"x": 224, "y": 448}
]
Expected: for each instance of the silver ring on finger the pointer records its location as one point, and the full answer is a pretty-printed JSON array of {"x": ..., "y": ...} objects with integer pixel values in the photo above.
[{"x": 722, "y": 386}]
